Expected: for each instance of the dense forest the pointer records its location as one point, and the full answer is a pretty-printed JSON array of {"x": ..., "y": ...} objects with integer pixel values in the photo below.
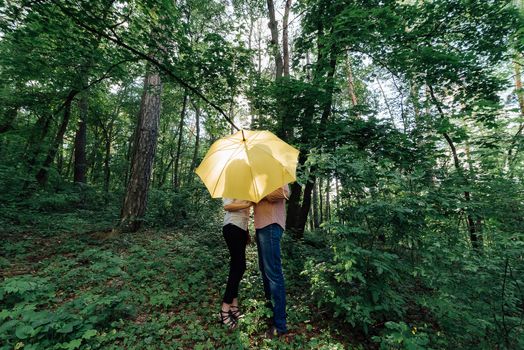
[{"x": 405, "y": 227}]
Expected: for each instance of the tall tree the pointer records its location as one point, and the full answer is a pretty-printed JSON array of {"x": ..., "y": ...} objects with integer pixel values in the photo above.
[
  {"x": 274, "y": 46},
  {"x": 143, "y": 154},
  {"x": 81, "y": 140}
]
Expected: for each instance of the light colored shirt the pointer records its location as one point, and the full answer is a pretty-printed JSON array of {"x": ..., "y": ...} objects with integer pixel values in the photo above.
[
  {"x": 267, "y": 213},
  {"x": 239, "y": 218}
]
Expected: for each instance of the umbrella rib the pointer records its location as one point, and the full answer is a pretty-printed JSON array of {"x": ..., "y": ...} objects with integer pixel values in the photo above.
[
  {"x": 251, "y": 170},
  {"x": 251, "y": 140},
  {"x": 219, "y": 150},
  {"x": 222, "y": 171}
]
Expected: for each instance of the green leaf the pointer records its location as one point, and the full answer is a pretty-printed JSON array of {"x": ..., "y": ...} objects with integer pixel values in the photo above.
[
  {"x": 67, "y": 328},
  {"x": 23, "y": 332},
  {"x": 73, "y": 344},
  {"x": 89, "y": 333}
]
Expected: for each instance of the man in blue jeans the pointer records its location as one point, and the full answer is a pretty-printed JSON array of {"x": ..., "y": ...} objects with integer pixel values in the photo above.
[{"x": 270, "y": 222}]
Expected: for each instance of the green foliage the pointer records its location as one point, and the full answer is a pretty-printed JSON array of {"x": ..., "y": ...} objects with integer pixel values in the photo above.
[
  {"x": 401, "y": 336},
  {"x": 180, "y": 208},
  {"x": 143, "y": 291},
  {"x": 407, "y": 131}
]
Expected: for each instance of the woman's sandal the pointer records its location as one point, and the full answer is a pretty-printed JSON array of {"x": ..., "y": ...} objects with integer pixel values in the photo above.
[
  {"x": 227, "y": 318},
  {"x": 235, "y": 312}
]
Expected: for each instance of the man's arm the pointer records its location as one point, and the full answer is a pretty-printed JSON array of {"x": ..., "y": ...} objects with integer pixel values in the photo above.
[{"x": 278, "y": 194}]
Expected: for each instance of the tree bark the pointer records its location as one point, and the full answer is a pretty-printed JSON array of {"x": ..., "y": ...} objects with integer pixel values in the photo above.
[
  {"x": 297, "y": 224},
  {"x": 176, "y": 180},
  {"x": 107, "y": 155},
  {"x": 328, "y": 200},
  {"x": 7, "y": 122},
  {"x": 197, "y": 143},
  {"x": 520, "y": 98},
  {"x": 42, "y": 174},
  {"x": 143, "y": 154},
  {"x": 351, "y": 82},
  {"x": 81, "y": 140},
  {"x": 273, "y": 26},
  {"x": 474, "y": 222},
  {"x": 285, "y": 37},
  {"x": 316, "y": 223}
]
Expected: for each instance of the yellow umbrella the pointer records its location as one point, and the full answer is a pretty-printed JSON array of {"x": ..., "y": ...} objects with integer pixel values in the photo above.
[{"x": 248, "y": 165}]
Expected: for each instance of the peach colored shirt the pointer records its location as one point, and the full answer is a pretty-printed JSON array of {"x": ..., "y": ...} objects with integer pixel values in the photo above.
[{"x": 267, "y": 213}]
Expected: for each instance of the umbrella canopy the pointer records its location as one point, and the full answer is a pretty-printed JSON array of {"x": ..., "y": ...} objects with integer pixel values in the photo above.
[{"x": 248, "y": 165}]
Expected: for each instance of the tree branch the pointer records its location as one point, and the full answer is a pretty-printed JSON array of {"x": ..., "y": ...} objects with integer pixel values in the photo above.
[{"x": 118, "y": 41}]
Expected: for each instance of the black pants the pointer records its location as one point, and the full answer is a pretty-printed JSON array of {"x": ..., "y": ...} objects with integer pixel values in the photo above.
[{"x": 236, "y": 240}]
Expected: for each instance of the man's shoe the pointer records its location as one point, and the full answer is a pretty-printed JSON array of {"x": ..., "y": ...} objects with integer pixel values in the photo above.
[{"x": 272, "y": 332}]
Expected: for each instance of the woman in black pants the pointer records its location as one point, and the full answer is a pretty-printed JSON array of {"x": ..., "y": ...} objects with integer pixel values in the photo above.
[{"x": 236, "y": 234}]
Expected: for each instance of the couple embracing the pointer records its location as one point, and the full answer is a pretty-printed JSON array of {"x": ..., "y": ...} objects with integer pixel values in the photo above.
[{"x": 270, "y": 221}]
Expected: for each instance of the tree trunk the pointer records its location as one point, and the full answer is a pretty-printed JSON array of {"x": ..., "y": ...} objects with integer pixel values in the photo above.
[
  {"x": 81, "y": 140},
  {"x": 293, "y": 209},
  {"x": 337, "y": 194},
  {"x": 328, "y": 200},
  {"x": 351, "y": 82},
  {"x": 474, "y": 222},
  {"x": 321, "y": 201},
  {"x": 275, "y": 50},
  {"x": 298, "y": 224},
  {"x": 387, "y": 103},
  {"x": 42, "y": 174},
  {"x": 7, "y": 121},
  {"x": 197, "y": 142},
  {"x": 107, "y": 157},
  {"x": 520, "y": 97},
  {"x": 285, "y": 38},
  {"x": 176, "y": 181},
  {"x": 143, "y": 154},
  {"x": 316, "y": 223},
  {"x": 304, "y": 209},
  {"x": 259, "y": 51}
]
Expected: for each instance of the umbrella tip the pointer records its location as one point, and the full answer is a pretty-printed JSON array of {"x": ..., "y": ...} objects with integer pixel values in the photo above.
[{"x": 243, "y": 137}]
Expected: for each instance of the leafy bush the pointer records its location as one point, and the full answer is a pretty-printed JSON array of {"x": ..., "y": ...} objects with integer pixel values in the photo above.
[
  {"x": 399, "y": 335},
  {"x": 187, "y": 206}
]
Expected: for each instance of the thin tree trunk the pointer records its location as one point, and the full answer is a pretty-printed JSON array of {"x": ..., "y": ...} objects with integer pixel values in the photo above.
[
  {"x": 474, "y": 223},
  {"x": 413, "y": 92},
  {"x": 42, "y": 174},
  {"x": 316, "y": 223},
  {"x": 285, "y": 38},
  {"x": 351, "y": 82},
  {"x": 275, "y": 50},
  {"x": 7, "y": 122},
  {"x": 197, "y": 143},
  {"x": 387, "y": 104},
  {"x": 81, "y": 140},
  {"x": 328, "y": 200},
  {"x": 60, "y": 161},
  {"x": 179, "y": 146},
  {"x": 93, "y": 157},
  {"x": 107, "y": 157},
  {"x": 520, "y": 98},
  {"x": 69, "y": 164},
  {"x": 337, "y": 194},
  {"x": 321, "y": 201},
  {"x": 259, "y": 51},
  {"x": 306, "y": 206},
  {"x": 143, "y": 154}
]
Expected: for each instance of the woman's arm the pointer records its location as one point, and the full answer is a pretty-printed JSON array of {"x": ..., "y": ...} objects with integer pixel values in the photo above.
[{"x": 238, "y": 205}]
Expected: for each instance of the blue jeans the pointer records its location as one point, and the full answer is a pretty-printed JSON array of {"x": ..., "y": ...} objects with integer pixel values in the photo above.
[{"x": 270, "y": 264}]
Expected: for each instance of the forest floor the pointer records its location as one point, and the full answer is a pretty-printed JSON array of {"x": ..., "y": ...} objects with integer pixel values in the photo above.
[{"x": 155, "y": 289}]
